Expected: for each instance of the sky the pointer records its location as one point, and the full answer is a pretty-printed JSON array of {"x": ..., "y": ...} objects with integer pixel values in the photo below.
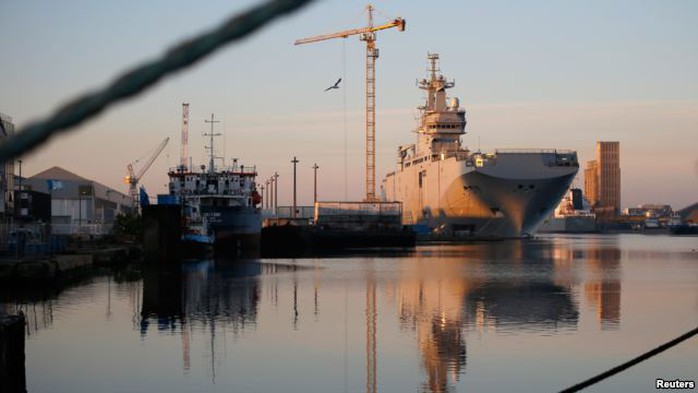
[{"x": 534, "y": 74}]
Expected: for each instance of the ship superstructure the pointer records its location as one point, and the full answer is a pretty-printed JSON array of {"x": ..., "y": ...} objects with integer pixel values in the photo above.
[
  {"x": 449, "y": 189},
  {"x": 219, "y": 204}
]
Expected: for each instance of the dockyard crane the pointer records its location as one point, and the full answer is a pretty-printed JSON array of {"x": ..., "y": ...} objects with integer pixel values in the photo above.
[
  {"x": 367, "y": 34},
  {"x": 133, "y": 178}
]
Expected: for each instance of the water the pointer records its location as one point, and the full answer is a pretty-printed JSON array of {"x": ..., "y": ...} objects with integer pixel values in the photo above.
[{"x": 527, "y": 316}]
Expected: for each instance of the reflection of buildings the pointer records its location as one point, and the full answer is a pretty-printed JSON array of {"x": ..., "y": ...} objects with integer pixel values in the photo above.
[
  {"x": 601, "y": 265},
  {"x": 602, "y": 290}
]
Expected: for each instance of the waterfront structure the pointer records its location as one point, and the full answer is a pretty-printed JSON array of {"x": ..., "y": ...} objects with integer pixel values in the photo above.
[
  {"x": 689, "y": 214},
  {"x": 572, "y": 215},
  {"x": 79, "y": 205},
  {"x": 591, "y": 182},
  {"x": 602, "y": 179},
  {"x": 650, "y": 211},
  {"x": 7, "y": 170},
  {"x": 447, "y": 189}
]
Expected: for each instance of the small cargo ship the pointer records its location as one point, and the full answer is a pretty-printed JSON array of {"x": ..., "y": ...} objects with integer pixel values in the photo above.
[{"x": 219, "y": 206}]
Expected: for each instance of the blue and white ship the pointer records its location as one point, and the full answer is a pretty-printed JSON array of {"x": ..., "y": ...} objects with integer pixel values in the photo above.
[{"x": 219, "y": 205}]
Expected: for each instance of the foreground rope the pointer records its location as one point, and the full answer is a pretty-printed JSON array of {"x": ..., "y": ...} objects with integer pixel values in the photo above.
[
  {"x": 140, "y": 78},
  {"x": 626, "y": 365}
]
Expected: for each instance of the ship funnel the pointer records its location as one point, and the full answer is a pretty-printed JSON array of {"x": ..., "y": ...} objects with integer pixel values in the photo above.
[{"x": 454, "y": 104}]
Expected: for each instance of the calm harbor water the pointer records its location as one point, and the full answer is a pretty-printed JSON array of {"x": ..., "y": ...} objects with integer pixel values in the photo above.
[{"x": 528, "y": 316}]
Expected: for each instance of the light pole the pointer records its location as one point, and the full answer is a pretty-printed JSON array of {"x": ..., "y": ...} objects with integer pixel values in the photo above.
[
  {"x": 79, "y": 210},
  {"x": 20, "y": 174},
  {"x": 264, "y": 199},
  {"x": 294, "y": 161},
  {"x": 276, "y": 194},
  {"x": 271, "y": 192},
  {"x": 315, "y": 168}
]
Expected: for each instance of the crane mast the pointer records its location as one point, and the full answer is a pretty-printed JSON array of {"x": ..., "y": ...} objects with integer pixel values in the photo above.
[{"x": 367, "y": 34}]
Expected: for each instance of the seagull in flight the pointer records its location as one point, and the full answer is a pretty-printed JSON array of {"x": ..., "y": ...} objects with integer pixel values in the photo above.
[{"x": 335, "y": 86}]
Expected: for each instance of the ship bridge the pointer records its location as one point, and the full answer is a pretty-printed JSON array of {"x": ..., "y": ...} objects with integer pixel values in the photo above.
[{"x": 443, "y": 120}]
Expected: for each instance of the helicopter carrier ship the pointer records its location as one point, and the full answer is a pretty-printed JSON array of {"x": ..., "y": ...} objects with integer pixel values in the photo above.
[{"x": 447, "y": 189}]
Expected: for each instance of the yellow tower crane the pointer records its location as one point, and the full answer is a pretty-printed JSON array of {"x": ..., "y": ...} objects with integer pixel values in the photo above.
[{"x": 367, "y": 34}]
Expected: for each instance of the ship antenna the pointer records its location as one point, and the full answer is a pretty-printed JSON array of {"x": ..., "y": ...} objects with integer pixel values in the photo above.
[
  {"x": 185, "y": 137},
  {"x": 211, "y": 135},
  {"x": 433, "y": 59}
]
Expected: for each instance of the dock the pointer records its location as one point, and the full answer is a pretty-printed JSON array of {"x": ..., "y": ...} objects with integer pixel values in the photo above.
[{"x": 63, "y": 267}]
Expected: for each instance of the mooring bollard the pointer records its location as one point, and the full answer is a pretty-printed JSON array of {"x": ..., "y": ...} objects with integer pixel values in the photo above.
[{"x": 12, "y": 372}]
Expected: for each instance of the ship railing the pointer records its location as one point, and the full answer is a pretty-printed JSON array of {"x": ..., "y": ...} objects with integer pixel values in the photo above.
[
  {"x": 81, "y": 229},
  {"x": 358, "y": 208},
  {"x": 481, "y": 160},
  {"x": 237, "y": 169},
  {"x": 534, "y": 151}
]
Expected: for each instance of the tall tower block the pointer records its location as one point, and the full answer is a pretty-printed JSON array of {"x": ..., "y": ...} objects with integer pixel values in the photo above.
[{"x": 608, "y": 170}]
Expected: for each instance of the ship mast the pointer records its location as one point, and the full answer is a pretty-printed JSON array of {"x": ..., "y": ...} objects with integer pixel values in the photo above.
[
  {"x": 211, "y": 168},
  {"x": 185, "y": 136}
]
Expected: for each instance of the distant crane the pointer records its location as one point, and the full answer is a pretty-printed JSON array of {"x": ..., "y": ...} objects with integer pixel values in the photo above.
[
  {"x": 367, "y": 34},
  {"x": 133, "y": 178}
]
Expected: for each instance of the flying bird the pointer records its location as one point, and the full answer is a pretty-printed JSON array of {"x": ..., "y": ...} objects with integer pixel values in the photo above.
[{"x": 335, "y": 86}]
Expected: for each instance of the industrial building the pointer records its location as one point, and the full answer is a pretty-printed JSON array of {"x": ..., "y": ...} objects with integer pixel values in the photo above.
[
  {"x": 79, "y": 205},
  {"x": 7, "y": 170}
]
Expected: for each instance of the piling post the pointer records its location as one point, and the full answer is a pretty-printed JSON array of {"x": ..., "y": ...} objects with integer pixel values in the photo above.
[
  {"x": 12, "y": 369},
  {"x": 293, "y": 212}
]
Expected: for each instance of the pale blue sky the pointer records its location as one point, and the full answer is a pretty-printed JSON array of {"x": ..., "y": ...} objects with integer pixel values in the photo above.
[{"x": 531, "y": 74}]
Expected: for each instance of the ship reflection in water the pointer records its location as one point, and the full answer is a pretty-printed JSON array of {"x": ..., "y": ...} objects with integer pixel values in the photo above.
[{"x": 528, "y": 315}]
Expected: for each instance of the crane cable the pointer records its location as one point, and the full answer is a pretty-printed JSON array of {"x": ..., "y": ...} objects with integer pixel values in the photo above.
[{"x": 344, "y": 116}]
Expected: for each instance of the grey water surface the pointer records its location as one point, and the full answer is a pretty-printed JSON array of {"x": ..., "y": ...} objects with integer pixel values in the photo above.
[{"x": 523, "y": 315}]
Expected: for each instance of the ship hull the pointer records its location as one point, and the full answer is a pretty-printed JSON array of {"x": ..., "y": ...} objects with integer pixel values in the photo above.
[
  {"x": 569, "y": 224},
  {"x": 228, "y": 230},
  {"x": 508, "y": 197}
]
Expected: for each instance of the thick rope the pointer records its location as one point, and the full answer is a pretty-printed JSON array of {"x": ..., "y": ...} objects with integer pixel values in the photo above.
[
  {"x": 140, "y": 78},
  {"x": 626, "y": 365}
]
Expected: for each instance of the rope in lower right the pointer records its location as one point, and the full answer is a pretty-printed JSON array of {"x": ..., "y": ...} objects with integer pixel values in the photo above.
[{"x": 626, "y": 365}]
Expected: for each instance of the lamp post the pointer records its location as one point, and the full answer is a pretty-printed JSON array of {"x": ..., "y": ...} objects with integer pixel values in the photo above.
[
  {"x": 315, "y": 168},
  {"x": 20, "y": 174},
  {"x": 271, "y": 192},
  {"x": 294, "y": 161},
  {"x": 264, "y": 199},
  {"x": 266, "y": 196},
  {"x": 276, "y": 194},
  {"x": 79, "y": 210}
]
